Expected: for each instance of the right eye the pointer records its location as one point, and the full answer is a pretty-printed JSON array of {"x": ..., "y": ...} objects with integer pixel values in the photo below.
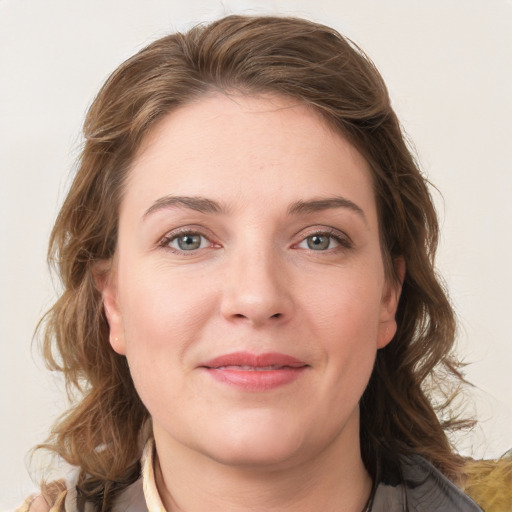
[{"x": 186, "y": 242}]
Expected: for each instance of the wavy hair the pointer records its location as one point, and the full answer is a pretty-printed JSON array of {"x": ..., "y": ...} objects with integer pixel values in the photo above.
[{"x": 311, "y": 63}]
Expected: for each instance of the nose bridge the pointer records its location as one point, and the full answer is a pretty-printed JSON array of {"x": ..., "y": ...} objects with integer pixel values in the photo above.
[{"x": 256, "y": 287}]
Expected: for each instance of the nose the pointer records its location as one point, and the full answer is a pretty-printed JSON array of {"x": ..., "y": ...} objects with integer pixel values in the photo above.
[{"x": 256, "y": 289}]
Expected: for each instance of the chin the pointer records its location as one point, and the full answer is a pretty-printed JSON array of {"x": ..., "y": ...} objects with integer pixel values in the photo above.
[
  {"x": 254, "y": 439},
  {"x": 259, "y": 440},
  {"x": 275, "y": 440},
  {"x": 256, "y": 454}
]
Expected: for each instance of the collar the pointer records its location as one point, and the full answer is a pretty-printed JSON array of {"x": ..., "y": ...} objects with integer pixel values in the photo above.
[
  {"x": 153, "y": 501},
  {"x": 419, "y": 485}
]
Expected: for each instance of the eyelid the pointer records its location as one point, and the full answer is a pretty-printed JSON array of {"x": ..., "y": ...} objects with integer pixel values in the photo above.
[
  {"x": 164, "y": 241},
  {"x": 344, "y": 241}
]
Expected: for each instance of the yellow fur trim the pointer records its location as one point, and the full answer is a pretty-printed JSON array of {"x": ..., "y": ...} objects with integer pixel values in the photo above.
[{"x": 489, "y": 483}]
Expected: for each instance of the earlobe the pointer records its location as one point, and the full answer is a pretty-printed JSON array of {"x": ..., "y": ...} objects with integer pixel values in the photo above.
[
  {"x": 106, "y": 283},
  {"x": 389, "y": 304}
]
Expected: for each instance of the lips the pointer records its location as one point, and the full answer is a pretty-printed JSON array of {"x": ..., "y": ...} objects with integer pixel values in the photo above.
[{"x": 254, "y": 372}]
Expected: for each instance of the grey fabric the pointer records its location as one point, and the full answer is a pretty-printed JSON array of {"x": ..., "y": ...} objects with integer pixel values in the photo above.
[
  {"x": 420, "y": 488},
  {"x": 414, "y": 486}
]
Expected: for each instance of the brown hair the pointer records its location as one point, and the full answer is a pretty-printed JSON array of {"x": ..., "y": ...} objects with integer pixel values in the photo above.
[{"x": 286, "y": 56}]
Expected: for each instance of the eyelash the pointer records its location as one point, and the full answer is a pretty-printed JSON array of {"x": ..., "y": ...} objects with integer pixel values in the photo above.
[
  {"x": 343, "y": 241},
  {"x": 171, "y": 237}
]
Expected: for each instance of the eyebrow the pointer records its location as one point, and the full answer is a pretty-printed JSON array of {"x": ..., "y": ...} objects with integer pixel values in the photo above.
[
  {"x": 205, "y": 205},
  {"x": 318, "y": 205},
  {"x": 199, "y": 204}
]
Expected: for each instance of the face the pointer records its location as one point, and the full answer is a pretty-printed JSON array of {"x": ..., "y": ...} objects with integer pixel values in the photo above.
[{"x": 248, "y": 291}]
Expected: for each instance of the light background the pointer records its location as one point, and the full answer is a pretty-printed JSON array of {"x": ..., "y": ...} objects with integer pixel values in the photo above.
[{"x": 448, "y": 67}]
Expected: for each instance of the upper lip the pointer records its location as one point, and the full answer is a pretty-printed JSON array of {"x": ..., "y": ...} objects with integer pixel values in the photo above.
[{"x": 269, "y": 360}]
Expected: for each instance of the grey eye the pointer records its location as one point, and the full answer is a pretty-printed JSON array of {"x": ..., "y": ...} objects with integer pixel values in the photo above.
[
  {"x": 318, "y": 242},
  {"x": 188, "y": 242}
]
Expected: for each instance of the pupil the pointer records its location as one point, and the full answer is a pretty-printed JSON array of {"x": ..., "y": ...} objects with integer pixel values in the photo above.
[
  {"x": 189, "y": 242},
  {"x": 318, "y": 242}
]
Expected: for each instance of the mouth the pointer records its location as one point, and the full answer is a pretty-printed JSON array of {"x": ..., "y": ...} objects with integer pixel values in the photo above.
[
  {"x": 246, "y": 368},
  {"x": 255, "y": 372}
]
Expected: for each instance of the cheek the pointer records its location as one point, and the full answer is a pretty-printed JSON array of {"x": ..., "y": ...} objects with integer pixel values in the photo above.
[
  {"x": 162, "y": 319},
  {"x": 347, "y": 303},
  {"x": 345, "y": 318},
  {"x": 162, "y": 310}
]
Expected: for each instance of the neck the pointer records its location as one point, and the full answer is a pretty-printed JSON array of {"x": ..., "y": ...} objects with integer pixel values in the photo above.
[{"x": 333, "y": 480}]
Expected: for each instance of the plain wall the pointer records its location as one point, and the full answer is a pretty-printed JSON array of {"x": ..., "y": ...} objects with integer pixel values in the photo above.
[{"x": 448, "y": 67}]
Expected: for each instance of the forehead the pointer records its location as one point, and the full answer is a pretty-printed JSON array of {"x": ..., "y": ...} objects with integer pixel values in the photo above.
[{"x": 236, "y": 148}]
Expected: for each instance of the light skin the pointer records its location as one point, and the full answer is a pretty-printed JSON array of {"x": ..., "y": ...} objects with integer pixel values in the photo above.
[{"x": 248, "y": 225}]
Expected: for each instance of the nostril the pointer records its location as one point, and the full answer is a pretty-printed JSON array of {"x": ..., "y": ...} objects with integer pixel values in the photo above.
[{"x": 240, "y": 315}]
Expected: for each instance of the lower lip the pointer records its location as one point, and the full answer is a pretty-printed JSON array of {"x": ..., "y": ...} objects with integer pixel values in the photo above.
[{"x": 256, "y": 380}]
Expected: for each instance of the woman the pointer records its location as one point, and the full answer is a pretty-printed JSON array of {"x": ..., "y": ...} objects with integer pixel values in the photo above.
[{"x": 250, "y": 308}]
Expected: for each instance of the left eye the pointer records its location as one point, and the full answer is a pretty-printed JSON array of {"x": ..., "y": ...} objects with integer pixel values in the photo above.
[
  {"x": 188, "y": 242},
  {"x": 319, "y": 242}
]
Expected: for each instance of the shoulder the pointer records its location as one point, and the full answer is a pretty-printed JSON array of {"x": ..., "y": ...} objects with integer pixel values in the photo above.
[
  {"x": 34, "y": 503},
  {"x": 428, "y": 489},
  {"x": 489, "y": 482},
  {"x": 417, "y": 486},
  {"x": 51, "y": 499},
  {"x": 58, "y": 498}
]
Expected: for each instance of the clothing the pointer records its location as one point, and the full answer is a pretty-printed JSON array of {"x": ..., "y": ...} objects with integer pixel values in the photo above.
[
  {"x": 415, "y": 486},
  {"x": 419, "y": 488}
]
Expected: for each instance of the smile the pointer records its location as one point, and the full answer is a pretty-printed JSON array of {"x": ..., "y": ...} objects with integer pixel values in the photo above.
[
  {"x": 255, "y": 372},
  {"x": 246, "y": 368}
]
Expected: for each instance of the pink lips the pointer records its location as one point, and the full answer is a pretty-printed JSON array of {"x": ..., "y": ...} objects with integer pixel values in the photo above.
[{"x": 255, "y": 372}]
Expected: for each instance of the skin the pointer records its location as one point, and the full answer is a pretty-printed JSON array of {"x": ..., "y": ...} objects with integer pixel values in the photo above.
[{"x": 255, "y": 284}]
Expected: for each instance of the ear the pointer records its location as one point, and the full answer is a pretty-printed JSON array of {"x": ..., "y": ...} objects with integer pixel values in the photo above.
[
  {"x": 389, "y": 303},
  {"x": 106, "y": 283}
]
